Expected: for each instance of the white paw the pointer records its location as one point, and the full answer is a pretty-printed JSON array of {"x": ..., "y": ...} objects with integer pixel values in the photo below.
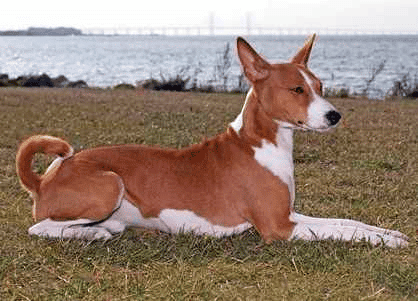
[
  {"x": 89, "y": 233},
  {"x": 379, "y": 236},
  {"x": 113, "y": 226},
  {"x": 390, "y": 240},
  {"x": 69, "y": 229}
]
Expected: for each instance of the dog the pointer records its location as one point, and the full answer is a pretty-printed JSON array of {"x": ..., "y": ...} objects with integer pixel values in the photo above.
[{"x": 241, "y": 178}]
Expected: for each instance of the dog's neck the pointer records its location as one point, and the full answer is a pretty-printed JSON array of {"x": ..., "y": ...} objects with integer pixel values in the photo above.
[
  {"x": 272, "y": 141},
  {"x": 254, "y": 125}
]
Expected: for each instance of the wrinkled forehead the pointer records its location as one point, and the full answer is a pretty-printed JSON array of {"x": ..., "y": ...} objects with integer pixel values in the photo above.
[
  {"x": 292, "y": 74},
  {"x": 307, "y": 72}
]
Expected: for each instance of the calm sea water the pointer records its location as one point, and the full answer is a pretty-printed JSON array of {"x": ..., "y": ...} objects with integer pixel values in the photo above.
[{"x": 340, "y": 61}]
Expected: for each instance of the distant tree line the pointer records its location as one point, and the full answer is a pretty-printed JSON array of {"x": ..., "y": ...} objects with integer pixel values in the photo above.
[{"x": 40, "y": 31}]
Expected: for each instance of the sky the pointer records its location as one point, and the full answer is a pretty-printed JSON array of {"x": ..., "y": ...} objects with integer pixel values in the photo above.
[{"x": 385, "y": 15}]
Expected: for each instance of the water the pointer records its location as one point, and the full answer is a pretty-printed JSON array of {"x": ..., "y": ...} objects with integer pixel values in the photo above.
[{"x": 340, "y": 61}]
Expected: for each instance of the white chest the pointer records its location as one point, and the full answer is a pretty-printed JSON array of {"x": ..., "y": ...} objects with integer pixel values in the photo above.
[{"x": 278, "y": 159}]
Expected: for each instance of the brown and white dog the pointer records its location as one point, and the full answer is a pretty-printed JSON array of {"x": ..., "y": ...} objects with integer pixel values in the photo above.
[{"x": 225, "y": 185}]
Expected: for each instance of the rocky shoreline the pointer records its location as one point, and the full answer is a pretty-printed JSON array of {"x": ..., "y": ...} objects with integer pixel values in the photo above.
[
  {"x": 402, "y": 88},
  {"x": 177, "y": 84},
  {"x": 40, "y": 81}
]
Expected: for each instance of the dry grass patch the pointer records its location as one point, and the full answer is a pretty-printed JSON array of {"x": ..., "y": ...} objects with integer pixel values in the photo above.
[{"x": 366, "y": 170}]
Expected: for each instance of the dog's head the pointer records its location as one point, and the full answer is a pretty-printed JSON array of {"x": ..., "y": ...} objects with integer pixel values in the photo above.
[{"x": 289, "y": 93}]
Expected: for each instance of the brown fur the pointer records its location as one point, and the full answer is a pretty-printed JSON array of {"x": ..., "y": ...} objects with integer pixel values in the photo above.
[{"x": 218, "y": 179}]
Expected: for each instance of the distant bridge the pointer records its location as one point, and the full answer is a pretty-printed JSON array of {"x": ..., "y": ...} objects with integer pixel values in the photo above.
[{"x": 223, "y": 30}]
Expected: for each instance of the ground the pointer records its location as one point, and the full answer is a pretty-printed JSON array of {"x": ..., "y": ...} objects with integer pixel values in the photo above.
[{"x": 366, "y": 169}]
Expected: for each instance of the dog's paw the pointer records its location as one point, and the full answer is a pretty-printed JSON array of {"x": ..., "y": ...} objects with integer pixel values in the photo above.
[
  {"x": 350, "y": 232},
  {"x": 392, "y": 240},
  {"x": 68, "y": 230},
  {"x": 88, "y": 233},
  {"x": 113, "y": 226}
]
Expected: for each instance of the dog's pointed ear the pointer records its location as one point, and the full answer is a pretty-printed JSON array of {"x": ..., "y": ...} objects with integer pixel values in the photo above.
[
  {"x": 302, "y": 57},
  {"x": 254, "y": 66}
]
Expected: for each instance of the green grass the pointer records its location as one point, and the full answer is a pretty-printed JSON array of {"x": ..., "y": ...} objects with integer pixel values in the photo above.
[{"x": 367, "y": 170}]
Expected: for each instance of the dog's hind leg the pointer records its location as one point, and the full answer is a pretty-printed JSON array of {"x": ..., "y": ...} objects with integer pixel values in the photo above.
[
  {"x": 80, "y": 207},
  {"x": 78, "y": 229}
]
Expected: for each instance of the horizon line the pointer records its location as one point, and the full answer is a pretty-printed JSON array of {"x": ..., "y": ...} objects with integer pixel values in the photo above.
[{"x": 224, "y": 30}]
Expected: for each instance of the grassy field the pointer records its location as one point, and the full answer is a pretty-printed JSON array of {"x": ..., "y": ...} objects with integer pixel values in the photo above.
[{"x": 367, "y": 170}]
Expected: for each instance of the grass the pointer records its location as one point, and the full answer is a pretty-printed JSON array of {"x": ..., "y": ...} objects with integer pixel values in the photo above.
[{"x": 367, "y": 170}]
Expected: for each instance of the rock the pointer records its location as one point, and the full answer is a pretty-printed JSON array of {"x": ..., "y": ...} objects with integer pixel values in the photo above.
[
  {"x": 15, "y": 82},
  {"x": 4, "y": 80},
  {"x": 60, "y": 81},
  {"x": 173, "y": 84},
  {"x": 38, "y": 81},
  {"x": 151, "y": 84},
  {"x": 413, "y": 94},
  {"x": 77, "y": 84},
  {"x": 124, "y": 86}
]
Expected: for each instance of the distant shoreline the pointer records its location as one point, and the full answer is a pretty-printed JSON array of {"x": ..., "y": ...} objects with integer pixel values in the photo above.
[
  {"x": 41, "y": 31},
  {"x": 71, "y": 31}
]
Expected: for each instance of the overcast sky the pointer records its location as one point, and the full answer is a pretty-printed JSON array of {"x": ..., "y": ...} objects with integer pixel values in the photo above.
[{"x": 388, "y": 15}]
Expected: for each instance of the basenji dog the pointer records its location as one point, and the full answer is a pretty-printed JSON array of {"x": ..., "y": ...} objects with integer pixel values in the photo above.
[{"x": 238, "y": 179}]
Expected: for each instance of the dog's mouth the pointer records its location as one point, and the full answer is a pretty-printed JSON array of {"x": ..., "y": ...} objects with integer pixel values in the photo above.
[
  {"x": 304, "y": 127},
  {"x": 323, "y": 129},
  {"x": 329, "y": 121}
]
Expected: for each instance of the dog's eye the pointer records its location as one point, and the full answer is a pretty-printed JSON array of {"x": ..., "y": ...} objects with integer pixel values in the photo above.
[{"x": 298, "y": 90}]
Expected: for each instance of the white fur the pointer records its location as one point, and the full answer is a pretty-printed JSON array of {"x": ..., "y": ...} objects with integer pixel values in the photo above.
[
  {"x": 278, "y": 158},
  {"x": 55, "y": 164},
  {"x": 69, "y": 229},
  {"x": 58, "y": 161},
  {"x": 311, "y": 228},
  {"x": 127, "y": 215},
  {"x": 184, "y": 220},
  {"x": 317, "y": 109},
  {"x": 238, "y": 122}
]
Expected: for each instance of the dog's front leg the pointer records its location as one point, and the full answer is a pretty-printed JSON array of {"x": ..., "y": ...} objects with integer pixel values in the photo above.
[{"x": 312, "y": 228}]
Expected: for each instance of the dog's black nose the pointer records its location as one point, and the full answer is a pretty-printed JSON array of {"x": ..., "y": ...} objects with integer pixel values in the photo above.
[{"x": 333, "y": 117}]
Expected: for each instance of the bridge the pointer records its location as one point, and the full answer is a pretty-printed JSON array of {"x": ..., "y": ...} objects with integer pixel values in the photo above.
[{"x": 237, "y": 30}]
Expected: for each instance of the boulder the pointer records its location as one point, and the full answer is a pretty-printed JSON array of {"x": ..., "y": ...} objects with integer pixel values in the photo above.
[
  {"x": 4, "y": 80},
  {"x": 60, "y": 81},
  {"x": 413, "y": 94},
  {"x": 38, "y": 81},
  {"x": 124, "y": 86},
  {"x": 77, "y": 84}
]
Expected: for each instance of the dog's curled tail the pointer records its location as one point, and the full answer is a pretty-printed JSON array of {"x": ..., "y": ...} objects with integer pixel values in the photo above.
[{"x": 27, "y": 150}]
